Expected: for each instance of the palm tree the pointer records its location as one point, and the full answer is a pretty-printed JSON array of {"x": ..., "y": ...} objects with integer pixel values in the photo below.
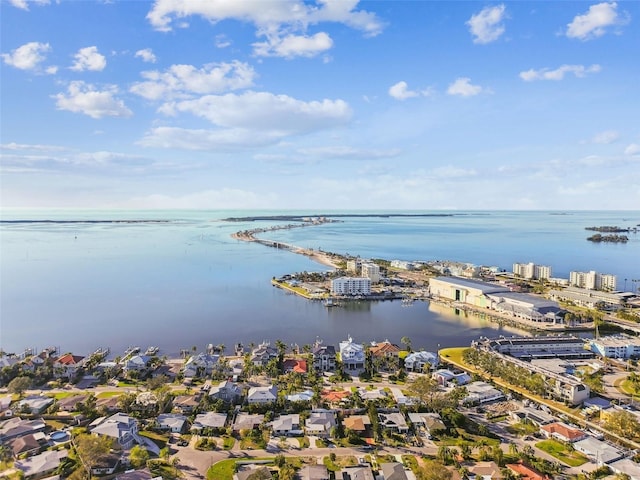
[{"x": 406, "y": 341}]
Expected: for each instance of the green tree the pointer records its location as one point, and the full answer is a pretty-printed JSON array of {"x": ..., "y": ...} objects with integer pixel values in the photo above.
[
  {"x": 406, "y": 341},
  {"x": 138, "y": 456},
  {"x": 19, "y": 385},
  {"x": 423, "y": 389},
  {"x": 434, "y": 470},
  {"x": 623, "y": 423},
  {"x": 90, "y": 449}
]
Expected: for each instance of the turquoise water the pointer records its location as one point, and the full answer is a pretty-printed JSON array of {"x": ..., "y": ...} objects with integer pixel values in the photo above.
[{"x": 188, "y": 283}]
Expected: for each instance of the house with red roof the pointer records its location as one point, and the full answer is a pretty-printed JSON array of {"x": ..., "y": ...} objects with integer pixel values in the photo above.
[
  {"x": 525, "y": 472},
  {"x": 562, "y": 432},
  {"x": 294, "y": 365},
  {"x": 67, "y": 366}
]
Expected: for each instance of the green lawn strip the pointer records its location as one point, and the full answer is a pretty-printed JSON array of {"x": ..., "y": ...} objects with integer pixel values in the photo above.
[
  {"x": 160, "y": 468},
  {"x": 562, "y": 453},
  {"x": 625, "y": 386},
  {"x": 61, "y": 395},
  {"x": 157, "y": 438},
  {"x": 224, "y": 469},
  {"x": 55, "y": 424},
  {"x": 228, "y": 442}
]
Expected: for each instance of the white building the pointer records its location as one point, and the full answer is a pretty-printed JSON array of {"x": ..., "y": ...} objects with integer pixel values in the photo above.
[
  {"x": 482, "y": 392},
  {"x": 618, "y": 346},
  {"x": 353, "y": 265},
  {"x": 267, "y": 394},
  {"x": 593, "y": 280},
  {"x": 370, "y": 271},
  {"x": 351, "y": 286},
  {"x": 352, "y": 357},
  {"x": 531, "y": 271},
  {"x": 416, "y": 361}
]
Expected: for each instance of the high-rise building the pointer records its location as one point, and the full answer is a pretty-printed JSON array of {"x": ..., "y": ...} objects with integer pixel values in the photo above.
[
  {"x": 371, "y": 271},
  {"x": 531, "y": 271},
  {"x": 593, "y": 280}
]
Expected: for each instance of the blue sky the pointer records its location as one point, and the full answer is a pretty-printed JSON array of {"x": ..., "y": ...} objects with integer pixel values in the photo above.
[{"x": 334, "y": 104}]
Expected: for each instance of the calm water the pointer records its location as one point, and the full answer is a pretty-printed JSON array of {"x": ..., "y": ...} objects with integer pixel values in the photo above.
[{"x": 188, "y": 283}]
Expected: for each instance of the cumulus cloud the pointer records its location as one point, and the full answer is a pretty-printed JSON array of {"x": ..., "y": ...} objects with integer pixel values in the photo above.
[
  {"x": 400, "y": 91},
  {"x": 183, "y": 80},
  {"x": 606, "y": 137},
  {"x": 86, "y": 99},
  {"x": 89, "y": 58},
  {"x": 595, "y": 23},
  {"x": 462, "y": 86},
  {"x": 632, "y": 149},
  {"x": 284, "y": 24},
  {"x": 147, "y": 55},
  {"x": 291, "y": 46},
  {"x": 281, "y": 114},
  {"x": 487, "y": 25},
  {"x": 27, "y": 56},
  {"x": 579, "y": 71},
  {"x": 24, "y": 4}
]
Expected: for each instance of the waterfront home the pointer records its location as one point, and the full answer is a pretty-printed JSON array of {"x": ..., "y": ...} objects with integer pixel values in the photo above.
[
  {"x": 122, "y": 428},
  {"x": 294, "y": 365},
  {"x": 172, "y": 422},
  {"x": 258, "y": 395},
  {"x": 201, "y": 365},
  {"x": 352, "y": 356},
  {"x": 136, "y": 363},
  {"x": 385, "y": 355},
  {"x": 324, "y": 357},
  {"x": 67, "y": 366},
  {"x": 421, "y": 361},
  {"x": 263, "y": 353},
  {"x": 35, "y": 404},
  {"x": 246, "y": 421},
  {"x": 320, "y": 423},
  {"x": 226, "y": 391},
  {"x": 185, "y": 403},
  {"x": 359, "y": 472},
  {"x": 313, "y": 472},
  {"x": 287, "y": 425},
  {"x": 394, "y": 471},
  {"x": 42, "y": 464},
  {"x": 562, "y": 432},
  {"x": 393, "y": 421},
  {"x": 209, "y": 420}
]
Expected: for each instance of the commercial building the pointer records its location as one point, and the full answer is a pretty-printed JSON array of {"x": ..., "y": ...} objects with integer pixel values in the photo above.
[
  {"x": 351, "y": 286},
  {"x": 531, "y": 271},
  {"x": 482, "y": 392},
  {"x": 584, "y": 297}
]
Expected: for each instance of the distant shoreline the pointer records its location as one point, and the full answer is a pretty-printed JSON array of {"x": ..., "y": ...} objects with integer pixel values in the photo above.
[
  {"x": 63, "y": 222},
  {"x": 301, "y": 218}
]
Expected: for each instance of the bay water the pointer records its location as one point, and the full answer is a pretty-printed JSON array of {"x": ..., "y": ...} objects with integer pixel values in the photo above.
[{"x": 186, "y": 282}]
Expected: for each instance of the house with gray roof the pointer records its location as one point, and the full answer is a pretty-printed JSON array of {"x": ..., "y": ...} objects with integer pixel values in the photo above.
[
  {"x": 287, "y": 425},
  {"x": 201, "y": 365},
  {"x": 209, "y": 420},
  {"x": 416, "y": 361},
  {"x": 360, "y": 472},
  {"x": 394, "y": 471},
  {"x": 246, "y": 421},
  {"x": 320, "y": 422},
  {"x": 35, "y": 403},
  {"x": 17, "y": 427},
  {"x": 393, "y": 421},
  {"x": 42, "y": 464},
  {"x": 226, "y": 391},
  {"x": 172, "y": 422},
  {"x": 120, "y": 427},
  {"x": 313, "y": 472},
  {"x": 268, "y": 394}
]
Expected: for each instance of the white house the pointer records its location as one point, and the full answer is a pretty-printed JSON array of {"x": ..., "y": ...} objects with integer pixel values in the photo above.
[
  {"x": 416, "y": 361},
  {"x": 266, "y": 394},
  {"x": 320, "y": 422},
  {"x": 120, "y": 426},
  {"x": 172, "y": 422},
  {"x": 352, "y": 356},
  {"x": 41, "y": 465},
  {"x": 226, "y": 391},
  {"x": 287, "y": 425},
  {"x": 201, "y": 365}
]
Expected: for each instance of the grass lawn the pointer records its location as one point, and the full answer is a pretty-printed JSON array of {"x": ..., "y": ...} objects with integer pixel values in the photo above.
[
  {"x": 559, "y": 451},
  {"x": 55, "y": 424},
  {"x": 61, "y": 395},
  {"x": 224, "y": 469},
  {"x": 304, "y": 442},
  {"x": 454, "y": 355},
  {"x": 160, "y": 468},
  {"x": 626, "y": 387},
  {"x": 228, "y": 442},
  {"x": 339, "y": 463},
  {"x": 522, "y": 428},
  {"x": 157, "y": 438}
]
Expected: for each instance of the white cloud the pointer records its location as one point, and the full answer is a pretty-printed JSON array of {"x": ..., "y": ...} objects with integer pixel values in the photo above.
[
  {"x": 27, "y": 56},
  {"x": 266, "y": 14},
  {"x": 451, "y": 172},
  {"x": 280, "y": 114},
  {"x": 595, "y": 22},
  {"x": 147, "y": 55},
  {"x": 462, "y": 86},
  {"x": 89, "y": 58},
  {"x": 202, "y": 139},
  {"x": 182, "y": 80},
  {"x": 579, "y": 71},
  {"x": 284, "y": 24},
  {"x": 84, "y": 98},
  {"x": 400, "y": 91},
  {"x": 221, "y": 41},
  {"x": 28, "y": 146},
  {"x": 487, "y": 26},
  {"x": 24, "y": 4},
  {"x": 51, "y": 70},
  {"x": 606, "y": 137},
  {"x": 291, "y": 46},
  {"x": 632, "y": 149}
]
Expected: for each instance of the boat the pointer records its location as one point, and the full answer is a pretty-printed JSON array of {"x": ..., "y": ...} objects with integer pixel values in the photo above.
[
  {"x": 330, "y": 302},
  {"x": 151, "y": 350}
]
